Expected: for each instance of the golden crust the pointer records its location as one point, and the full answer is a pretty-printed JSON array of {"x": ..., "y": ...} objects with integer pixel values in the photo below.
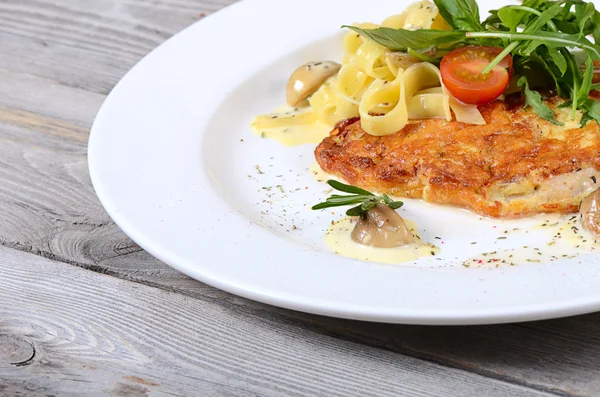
[{"x": 515, "y": 165}]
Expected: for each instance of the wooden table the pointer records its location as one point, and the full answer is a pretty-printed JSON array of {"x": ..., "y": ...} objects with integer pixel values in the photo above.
[{"x": 85, "y": 311}]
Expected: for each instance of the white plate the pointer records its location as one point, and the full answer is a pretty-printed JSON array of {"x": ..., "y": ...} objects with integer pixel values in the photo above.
[{"x": 173, "y": 161}]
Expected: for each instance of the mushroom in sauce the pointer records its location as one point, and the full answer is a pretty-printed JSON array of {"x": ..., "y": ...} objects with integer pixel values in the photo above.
[
  {"x": 382, "y": 227},
  {"x": 589, "y": 212},
  {"x": 307, "y": 79}
]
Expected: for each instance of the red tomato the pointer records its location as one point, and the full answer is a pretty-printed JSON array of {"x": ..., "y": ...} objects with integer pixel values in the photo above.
[{"x": 461, "y": 73}]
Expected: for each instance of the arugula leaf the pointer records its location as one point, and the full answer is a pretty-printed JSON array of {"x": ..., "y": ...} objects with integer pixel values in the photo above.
[
  {"x": 592, "y": 111},
  {"x": 402, "y": 39},
  {"x": 543, "y": 19},
  {"x": 586, "y": 118},
  {"x": 574, "y": 74},
  {"x": 534, "y": 99},
  {"x": 558, "y": 60},
  {"x": 552, "y": 39},
  {"x": 539, "y": 34},
  {"x": 583, "y": 12},
  {"x": 596, "y": 29},
  {"x": 586, "y": 81},
  {"x": 534, "y": 3},
  {"x": 567, "y": 27},
  {"x": 460, "y": 14},
  {"x": 536, "y": 69}
]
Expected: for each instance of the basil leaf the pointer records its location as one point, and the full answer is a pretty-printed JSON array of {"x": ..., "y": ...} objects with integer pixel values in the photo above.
[
  {"x": 534, "y": 99},
  {"x": 493, "y": 19},
  {"x": 402, "y": 39},
  {"x": 511, "y": 17},
  {"x": 348, "y": 188},
  {"x": 460, "y": 14}
]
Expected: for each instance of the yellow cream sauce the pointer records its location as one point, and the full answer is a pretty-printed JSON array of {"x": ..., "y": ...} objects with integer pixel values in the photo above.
[
  {"x": 291, "y": 126},
  {"x": 338, "y": 238},
  {"x": 564, "y": 238},
  {"x": 319, "y": 174}
]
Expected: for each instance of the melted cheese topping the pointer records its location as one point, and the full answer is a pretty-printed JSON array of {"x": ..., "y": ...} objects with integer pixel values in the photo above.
[{"x": 338, "y": 238}]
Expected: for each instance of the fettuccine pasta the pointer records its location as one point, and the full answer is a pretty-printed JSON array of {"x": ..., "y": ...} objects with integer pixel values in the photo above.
[{"x": 387, "y": 90}]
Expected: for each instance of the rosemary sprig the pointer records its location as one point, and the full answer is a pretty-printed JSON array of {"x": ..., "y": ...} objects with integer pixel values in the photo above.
[{"x": 365, "y": 199}]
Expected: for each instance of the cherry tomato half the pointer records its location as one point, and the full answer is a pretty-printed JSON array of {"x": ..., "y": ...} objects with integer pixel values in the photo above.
[{"x": 461, "y": 73}]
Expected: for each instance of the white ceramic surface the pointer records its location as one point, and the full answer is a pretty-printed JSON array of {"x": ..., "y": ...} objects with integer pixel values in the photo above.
[{"x": 176, "y": 166}]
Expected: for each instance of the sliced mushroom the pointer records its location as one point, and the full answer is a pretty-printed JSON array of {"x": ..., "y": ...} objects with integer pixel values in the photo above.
[
  {"x": 401, "y": 60},
  {"x": 382, "y": 227},
  {"x": 307, "y": 79},
  {"x": 589, "y": 212}
]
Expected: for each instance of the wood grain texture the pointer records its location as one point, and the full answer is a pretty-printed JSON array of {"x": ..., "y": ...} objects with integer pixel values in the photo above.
[
  {"x": 95, "y": 335},
  {"x": 90, "y": 44},
  {"x": 58, "y": 61}
]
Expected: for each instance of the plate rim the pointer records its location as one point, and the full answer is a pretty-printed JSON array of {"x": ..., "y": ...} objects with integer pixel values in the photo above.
[{"x": 487, "y": 316}]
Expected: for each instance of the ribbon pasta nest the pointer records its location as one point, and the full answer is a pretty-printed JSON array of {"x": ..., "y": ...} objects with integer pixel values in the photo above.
[{"x": 385, "y": 89}]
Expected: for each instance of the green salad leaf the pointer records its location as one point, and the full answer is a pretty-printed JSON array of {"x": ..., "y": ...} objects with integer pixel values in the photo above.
[
  {"x": 402, "y": 40},
  {"x": 460, "y": 14},
  {"x": 540, "y": 35},
  {"x": 534, "y": 99}
]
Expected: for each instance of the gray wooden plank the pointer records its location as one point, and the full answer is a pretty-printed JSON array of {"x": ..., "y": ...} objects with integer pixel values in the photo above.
[
  {"x": 90, "y": 44},
  {"x": 47, "y": 203},
  {"x": 70, "y": 332}
]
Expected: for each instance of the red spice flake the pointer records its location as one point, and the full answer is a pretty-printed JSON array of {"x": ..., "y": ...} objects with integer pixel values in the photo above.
[{"x": 480, "y": 261}]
